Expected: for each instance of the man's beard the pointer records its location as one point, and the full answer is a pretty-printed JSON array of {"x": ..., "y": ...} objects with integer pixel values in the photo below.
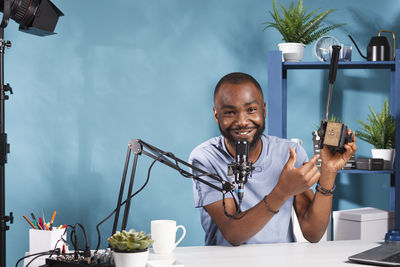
[{"x": 256, "y": 137}]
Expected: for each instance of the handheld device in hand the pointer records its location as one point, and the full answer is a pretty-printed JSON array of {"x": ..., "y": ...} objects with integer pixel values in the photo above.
[{"x": 333, "y": 134}]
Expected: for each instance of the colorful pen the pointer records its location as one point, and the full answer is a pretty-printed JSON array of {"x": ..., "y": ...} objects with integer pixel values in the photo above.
[
  {"x": 41, "y": 224},
  {"x": 34, "y": 220},
  {"x": 52, "y": 220},
  {"x": 44, "y": 219},
  {"x": 26, "y": 218}
]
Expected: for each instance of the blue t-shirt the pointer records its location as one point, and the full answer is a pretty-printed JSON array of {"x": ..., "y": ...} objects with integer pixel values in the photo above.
[{"x": 213, "y": 157}]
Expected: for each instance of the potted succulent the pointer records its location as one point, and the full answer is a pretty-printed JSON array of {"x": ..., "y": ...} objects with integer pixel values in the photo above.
[
  {"x": 379, "y": 131},
  {"x": 298, "y": 28},
  {"x": 130, "y": 248}
]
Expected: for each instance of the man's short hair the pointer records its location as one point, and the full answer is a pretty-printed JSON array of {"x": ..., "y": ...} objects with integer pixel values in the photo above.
[{"x": 237, "y": 78}]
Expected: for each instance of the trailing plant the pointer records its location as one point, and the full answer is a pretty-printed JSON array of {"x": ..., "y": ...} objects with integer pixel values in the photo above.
[
  {"x": 380, "y": 129},
  {"x": 130, "y": 241},
  {"x": 297, "y": 25}
]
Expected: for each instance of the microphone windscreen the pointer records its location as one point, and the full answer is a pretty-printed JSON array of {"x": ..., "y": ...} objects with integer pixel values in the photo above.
[{"x": 242, "y": 149}]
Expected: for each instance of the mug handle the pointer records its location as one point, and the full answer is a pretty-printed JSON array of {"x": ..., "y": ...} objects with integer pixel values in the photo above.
[{"x": 183, "y": 234}]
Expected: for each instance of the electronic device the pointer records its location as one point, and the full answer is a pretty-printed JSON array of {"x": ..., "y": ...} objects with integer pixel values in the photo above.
[
  {"x": 241, "y": 168},
  {"x": 370, "y": 164},
  {"x": 37, "y": 17},
  {"x": 334, "y": 135},
  {"x": 387, "y": 254}
]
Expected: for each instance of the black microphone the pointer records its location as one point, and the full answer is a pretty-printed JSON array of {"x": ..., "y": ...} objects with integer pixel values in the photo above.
[{"x": 241, "y": 169}]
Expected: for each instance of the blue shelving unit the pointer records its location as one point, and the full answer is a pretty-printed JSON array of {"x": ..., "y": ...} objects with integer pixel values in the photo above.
[{"x": 277, "y": 102}]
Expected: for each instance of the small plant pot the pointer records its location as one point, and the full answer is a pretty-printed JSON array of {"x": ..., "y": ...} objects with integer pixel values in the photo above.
[
  {"x": 130, "y": 259},
  {"x": 386, "y": 154},
  {"x": 291, "y": 52}
]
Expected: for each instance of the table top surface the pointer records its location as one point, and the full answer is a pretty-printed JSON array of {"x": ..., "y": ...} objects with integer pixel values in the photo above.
[{"x": 331, "y": 253}]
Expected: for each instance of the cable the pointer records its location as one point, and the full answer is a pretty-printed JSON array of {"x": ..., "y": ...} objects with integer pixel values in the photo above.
[
  {"x": 234, "y": 216},
  {"x": 86, "y": 252},
  {"x": 61, "y": 239},
  {"x": 36, "y": 254},
  {"x": 74, "y": 240},
  {"x": 73, "y": 236},
  {"x": 129, "y": 197},
  {"x": 39, "y": 254},
  {"x": 34, "y": 259},
  {"x": 182, "y": 172}
]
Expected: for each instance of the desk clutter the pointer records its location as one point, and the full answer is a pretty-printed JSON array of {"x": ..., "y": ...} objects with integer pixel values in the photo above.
[{"x": 48, "y": 246}]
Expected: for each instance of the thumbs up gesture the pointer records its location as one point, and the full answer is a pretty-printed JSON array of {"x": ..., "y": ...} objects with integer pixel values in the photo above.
[{"x": 292, "y": 180}]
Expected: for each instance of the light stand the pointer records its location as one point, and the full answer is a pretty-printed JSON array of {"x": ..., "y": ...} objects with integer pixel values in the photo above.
[
  {"x": 4, "y": 147},
  {"x": 138, "y": 147},
  {"x": 38, "y": 18}
]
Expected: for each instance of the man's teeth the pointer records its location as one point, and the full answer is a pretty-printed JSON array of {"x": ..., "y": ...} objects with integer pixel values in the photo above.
[{"x": 243, "y": 133}]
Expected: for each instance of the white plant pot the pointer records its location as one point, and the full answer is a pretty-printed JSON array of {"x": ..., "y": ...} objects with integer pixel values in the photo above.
[
  {"x": 291, "y": 52},
  {"x": 385, "y": 154},
  {"x": 130, "y": 259}
]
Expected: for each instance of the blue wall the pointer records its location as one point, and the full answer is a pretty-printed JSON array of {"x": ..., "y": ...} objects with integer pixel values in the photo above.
[{"x": 146, "y": 69}]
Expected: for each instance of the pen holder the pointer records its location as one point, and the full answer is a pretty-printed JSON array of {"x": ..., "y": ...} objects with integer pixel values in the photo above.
[{"x": 42, "y": 240}]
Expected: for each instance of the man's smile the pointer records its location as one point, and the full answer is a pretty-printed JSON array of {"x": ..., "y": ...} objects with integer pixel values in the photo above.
[{"x": 243, "y": 133}]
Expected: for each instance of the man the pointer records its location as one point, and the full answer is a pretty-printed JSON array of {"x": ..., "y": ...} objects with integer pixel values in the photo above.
[{"x": 282, "y": 177}]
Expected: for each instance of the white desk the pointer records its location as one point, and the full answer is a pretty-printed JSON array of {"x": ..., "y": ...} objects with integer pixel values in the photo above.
[
  {"x": 326, "y": 254},
  {"x": 332, "y": 253}
]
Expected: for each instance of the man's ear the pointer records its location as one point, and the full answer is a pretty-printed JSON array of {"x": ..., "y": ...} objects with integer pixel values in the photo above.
[
  {"x": 215, "y": 115},
  {"x": 265, "y": 110}
]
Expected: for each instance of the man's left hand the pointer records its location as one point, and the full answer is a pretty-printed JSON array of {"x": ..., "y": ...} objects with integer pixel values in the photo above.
[{"x": 333, "y": 162}]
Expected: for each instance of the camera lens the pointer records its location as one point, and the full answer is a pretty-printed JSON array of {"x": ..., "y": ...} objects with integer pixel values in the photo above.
[
  {"x": 38, "y": 17},
  {"x": 22, "y": 11}
]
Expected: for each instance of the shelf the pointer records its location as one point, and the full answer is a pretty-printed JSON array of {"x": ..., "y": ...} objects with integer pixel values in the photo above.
[
  {"x": 277, "y": 105},
  {"x": 342, "y": 65},
  {"x": 367, "y": 172}
]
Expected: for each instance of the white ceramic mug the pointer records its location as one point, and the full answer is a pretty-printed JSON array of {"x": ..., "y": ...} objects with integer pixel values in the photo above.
[{"x": 163, "y": 232}]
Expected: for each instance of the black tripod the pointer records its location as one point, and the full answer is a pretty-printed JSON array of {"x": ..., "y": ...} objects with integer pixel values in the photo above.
[{"x": 4, "y": 147}]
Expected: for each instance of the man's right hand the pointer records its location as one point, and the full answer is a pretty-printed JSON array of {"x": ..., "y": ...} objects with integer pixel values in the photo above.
[{"x": 294, "y": 181}]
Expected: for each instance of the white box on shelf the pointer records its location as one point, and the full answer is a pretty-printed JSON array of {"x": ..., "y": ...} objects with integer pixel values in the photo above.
[{"x": 369, "y": 224}]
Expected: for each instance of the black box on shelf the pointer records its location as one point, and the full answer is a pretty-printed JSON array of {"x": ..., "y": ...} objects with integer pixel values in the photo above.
[
  {"x": 370, "y": 164},
  {"x": 387, "y": 165}
]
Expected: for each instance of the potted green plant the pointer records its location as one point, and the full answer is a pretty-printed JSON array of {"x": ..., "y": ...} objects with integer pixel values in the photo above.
[
  {"x": 298, "y": 28},
  {"x": 379, "y": 131},
  {"x": 130, "y": 248}
]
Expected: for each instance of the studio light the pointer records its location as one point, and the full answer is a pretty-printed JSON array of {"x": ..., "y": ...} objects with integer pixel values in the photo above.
[{"x": 38, "y": 17}]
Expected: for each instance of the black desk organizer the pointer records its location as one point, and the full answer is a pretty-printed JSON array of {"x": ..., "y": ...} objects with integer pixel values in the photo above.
[{"x": 56, "y": 263}]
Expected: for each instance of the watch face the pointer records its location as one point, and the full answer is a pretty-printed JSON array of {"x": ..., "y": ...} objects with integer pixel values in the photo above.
[{"x": 322, "y": 47}]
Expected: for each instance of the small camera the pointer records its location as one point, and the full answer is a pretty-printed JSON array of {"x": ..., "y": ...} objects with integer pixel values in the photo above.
[{"x": 334, "y": 135}]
